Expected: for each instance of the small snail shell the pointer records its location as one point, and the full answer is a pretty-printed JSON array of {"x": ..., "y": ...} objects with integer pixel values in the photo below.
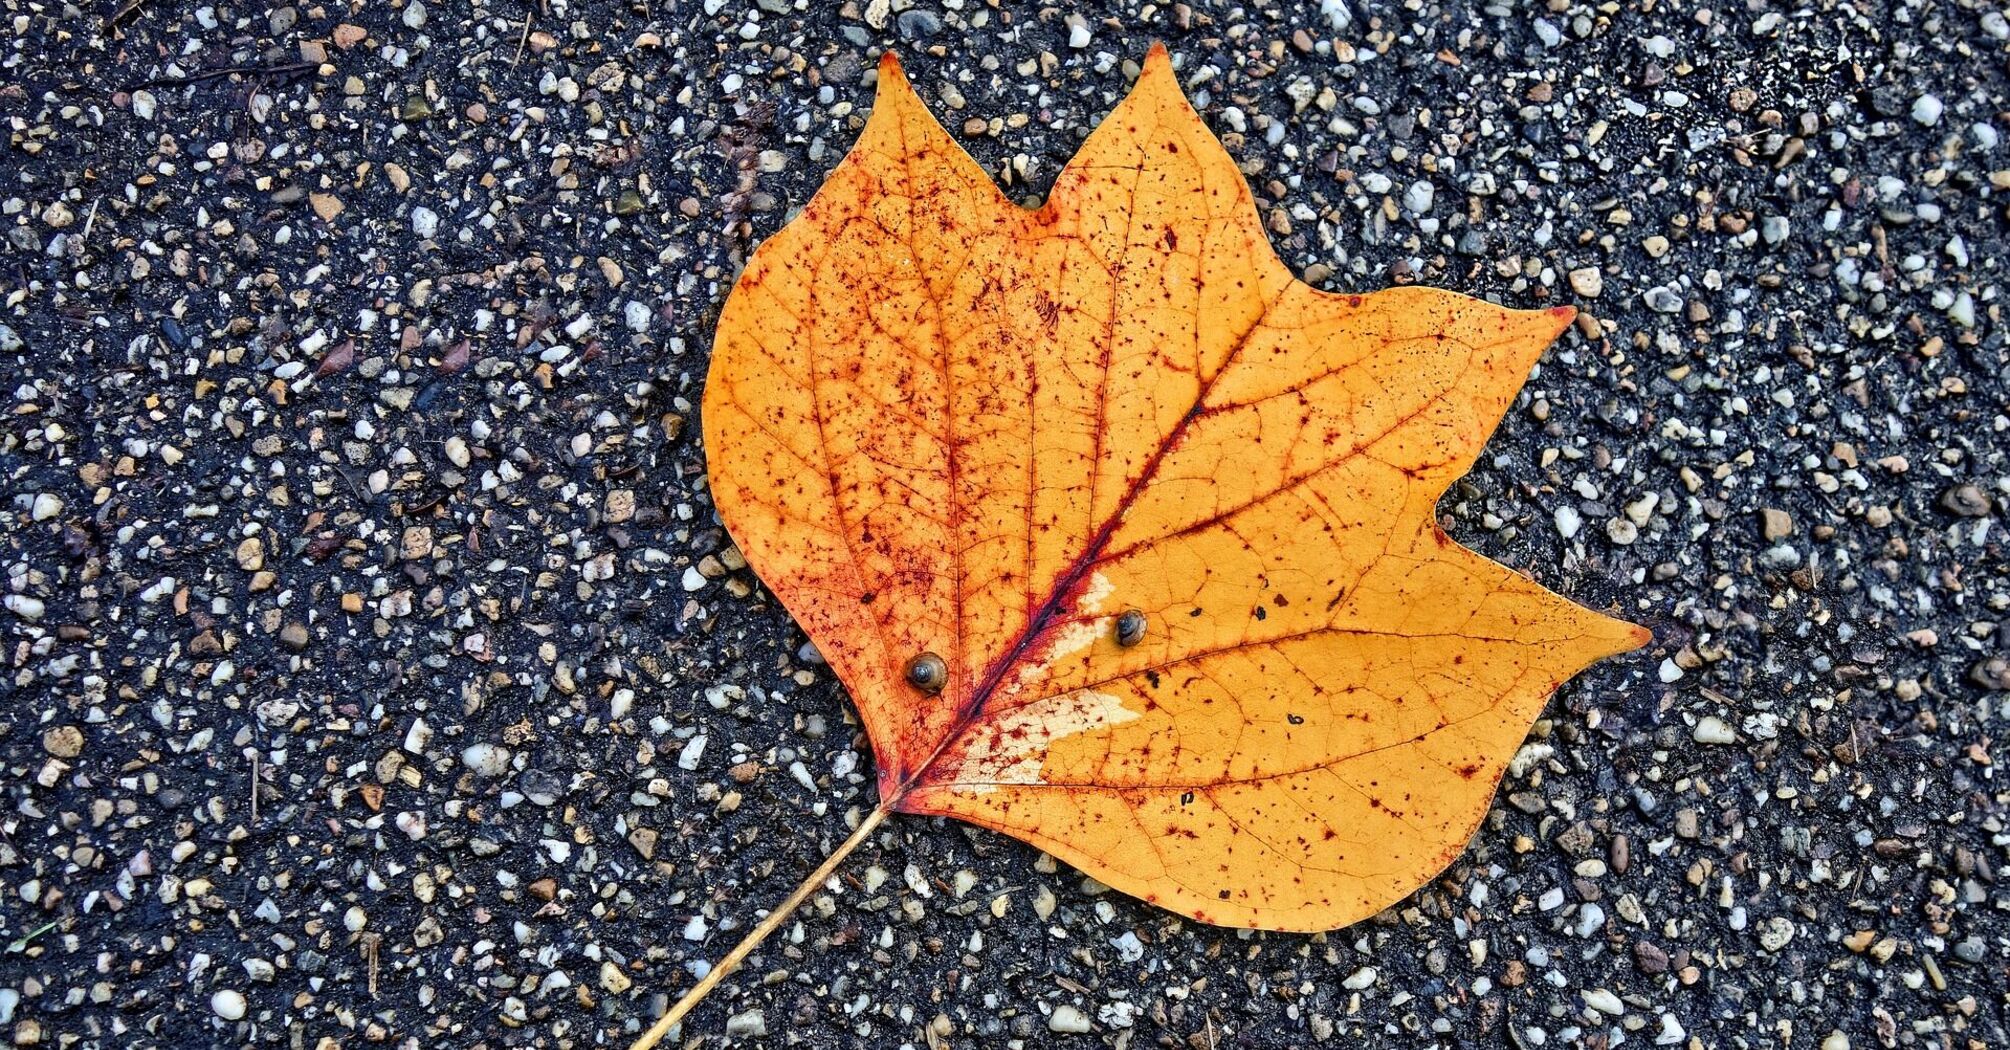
[
  {"x": 1130, "y": 627},
  {"x": 927, "y": 673}
]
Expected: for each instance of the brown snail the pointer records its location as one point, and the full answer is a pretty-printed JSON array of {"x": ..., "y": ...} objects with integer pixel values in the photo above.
[
  {"x": 927, "y": 673},
  {"x": 1130, "y": 627}
]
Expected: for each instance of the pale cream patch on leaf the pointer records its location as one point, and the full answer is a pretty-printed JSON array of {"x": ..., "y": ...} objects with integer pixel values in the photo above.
[
  {"x": 1099, "y": 590},
  {"x": 1012, "y": 749},
  {"x": 1068, "y": 639}
]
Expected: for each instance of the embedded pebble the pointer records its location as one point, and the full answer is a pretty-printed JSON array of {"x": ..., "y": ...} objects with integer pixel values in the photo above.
[
  {"x": 1568, "y": 521},
  {"x": 63, "y": 741},
  {"x": 1604, "y": 1001},
  {"x": 486, "y": 759},
  {"x": 228, "y": 1004},
  {"x": 1662, "y": 300},
  {"x": 1713, "y": 730},
  {"x": 1068, "y": 1019}
]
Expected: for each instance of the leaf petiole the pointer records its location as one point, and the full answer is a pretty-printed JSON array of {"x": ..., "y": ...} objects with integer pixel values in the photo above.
[{"x": 759, "y": 933}]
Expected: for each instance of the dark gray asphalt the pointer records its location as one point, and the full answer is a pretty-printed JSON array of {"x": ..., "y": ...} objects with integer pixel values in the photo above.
[{"x": 376, "y": 673}]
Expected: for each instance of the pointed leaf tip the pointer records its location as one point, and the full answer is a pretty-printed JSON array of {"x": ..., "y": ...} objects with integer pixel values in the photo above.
[
  {"x": 892, "y": 82},
  {"x": 1561, "y": 318},
  {"x": 1158, "y": 64}
]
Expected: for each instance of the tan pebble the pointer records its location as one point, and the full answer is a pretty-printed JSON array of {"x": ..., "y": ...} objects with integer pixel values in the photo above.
[{"x": 63, "y": 741}]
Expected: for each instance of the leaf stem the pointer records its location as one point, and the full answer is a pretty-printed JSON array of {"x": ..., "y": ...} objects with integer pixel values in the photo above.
[{"x": 760, "y": 932}]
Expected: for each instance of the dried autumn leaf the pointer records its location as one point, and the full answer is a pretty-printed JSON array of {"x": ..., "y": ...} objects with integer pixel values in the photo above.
[{"x": 1121, "y": 538}]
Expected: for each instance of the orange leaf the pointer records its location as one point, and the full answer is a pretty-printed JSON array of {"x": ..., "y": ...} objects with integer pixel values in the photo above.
[{"x": 942, "y": 424}]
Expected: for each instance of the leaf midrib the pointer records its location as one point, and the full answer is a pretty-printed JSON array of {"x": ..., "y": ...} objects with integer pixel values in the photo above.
[{"x": 1067, "y": 583}]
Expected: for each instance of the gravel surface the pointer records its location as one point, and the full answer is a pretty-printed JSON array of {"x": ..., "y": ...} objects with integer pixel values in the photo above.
[{"x": 376, "y": 671}]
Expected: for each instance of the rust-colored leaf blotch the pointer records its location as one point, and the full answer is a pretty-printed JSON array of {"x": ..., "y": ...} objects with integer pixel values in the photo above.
[{"x": 1121, "y": 537}]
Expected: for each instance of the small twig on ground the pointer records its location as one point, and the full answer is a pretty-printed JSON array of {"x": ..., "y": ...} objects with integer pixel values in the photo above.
[
  {"x": 211, "y": 74},
  {"x": 356, "y": 490},
  {"x": 372, "y": 943},
  {"x": 125, "y": 11},
  {"x": 524, "y": 39}
]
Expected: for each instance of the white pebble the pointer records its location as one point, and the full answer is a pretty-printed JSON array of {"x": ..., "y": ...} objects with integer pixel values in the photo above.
[
  {"x": 486, "y": 759},
  {"x": 1671, "y": 672},
  {"x": 228, "y": 1004},
  {"x": 1068, "y": 1019},
  {"x": 1926, "y": 110},
  {"x": 1662, "y": 300},
  {"x": 1603, "y": 1001},
  {"x": 1568, "y": 521},
  {"x": 1361, "y": 978},
  {"x": 47, "y": 505},
  {"x": 415, "y": 14},
  {"x": 1713, "y": 730},
  {"x": 636, "y": 316},
  {"x": 1590, "y": 919},
  {"x": 1418, "y": 197},
  {"x": 1962, "y": 312},
  {"x": 694, "y": 749},
  {"x": 425, "y": 222}
]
